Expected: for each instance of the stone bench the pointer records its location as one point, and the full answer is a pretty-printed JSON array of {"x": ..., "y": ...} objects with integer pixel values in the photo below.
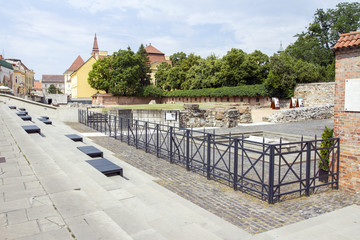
[
  {"x": 22, "y": 113},
  {"x": 45, "y": 117},
  {"x": 25, "y": 118},
  {"x": 12, "y": 107},
  {"x": 46, "y": 121},
  {"x": 75, "y": 137},
  {"x": 106, "y": 167},
  {"x": 91, "y": 151},
  {"x": 31, "y": 129},
  {"x": 22, "y": 109}
]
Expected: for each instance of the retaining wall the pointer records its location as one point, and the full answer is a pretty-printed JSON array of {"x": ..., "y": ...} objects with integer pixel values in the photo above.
[
  {"x": 63, "y": 113},
  {"x": 302, "y": 114},
  {"x": 316, "y": 94}
]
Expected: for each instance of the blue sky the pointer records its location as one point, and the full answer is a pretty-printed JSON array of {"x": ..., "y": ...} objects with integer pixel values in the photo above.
[{"x": 48, "y": 35}]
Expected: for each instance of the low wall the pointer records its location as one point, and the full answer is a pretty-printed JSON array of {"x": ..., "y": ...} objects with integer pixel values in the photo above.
[
  {"x": 109, "y": 99},
  {"x": 302, "y": 114},
  {"x": 193, "y": 116},
  {"x": 316, "y": 94},
  {"x": 253, "y": 101},
  {"x": 63, "y": 113}
]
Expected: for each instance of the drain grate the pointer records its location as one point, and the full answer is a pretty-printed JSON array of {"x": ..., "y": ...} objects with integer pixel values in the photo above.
[{"x": 2, "y": 159}]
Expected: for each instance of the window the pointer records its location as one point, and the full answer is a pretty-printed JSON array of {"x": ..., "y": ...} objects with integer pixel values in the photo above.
[
  {"x": 215, "y": 99},
  {"x": 15, "y": 79},
  {"x": 241, "y": 99},
  {"x": 228, "y": 99},
  {"x": 257, "y": 99}
]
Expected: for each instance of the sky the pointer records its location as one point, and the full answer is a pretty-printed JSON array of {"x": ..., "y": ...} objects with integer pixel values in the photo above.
[{"x": 48, "y": 35}]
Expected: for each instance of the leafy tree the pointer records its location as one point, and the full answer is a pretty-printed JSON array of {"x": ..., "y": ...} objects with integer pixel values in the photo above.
[
  {"x": 125, "y": 72},
  {"x": 162, "y": 74},
  {"x": 263, "y": 62},
  {"x": 175, "y": 78},
  {"x": 52, "y": 89},
  {"x": 188, "y": 62},
  {"x": 281, "y": 79},
  {"x": 144, "y": 67},
  {"x": 177, "y": 58},
  {"x": 99, "y": 76}
]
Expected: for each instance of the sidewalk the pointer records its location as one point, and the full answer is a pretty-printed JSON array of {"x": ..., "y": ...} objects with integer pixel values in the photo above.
[{"x": 48, "y": 191}]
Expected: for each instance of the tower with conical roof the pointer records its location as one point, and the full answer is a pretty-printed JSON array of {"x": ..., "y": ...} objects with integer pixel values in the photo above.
[
  {"x": 95, "y": 50},
  {"x": 281, "y": 49}
]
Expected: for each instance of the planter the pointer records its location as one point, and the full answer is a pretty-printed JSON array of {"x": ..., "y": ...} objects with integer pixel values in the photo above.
[{"x": 323, "y": 176}]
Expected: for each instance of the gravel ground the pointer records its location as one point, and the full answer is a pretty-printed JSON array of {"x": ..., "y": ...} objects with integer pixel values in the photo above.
[{"x": 241, "y": 209}]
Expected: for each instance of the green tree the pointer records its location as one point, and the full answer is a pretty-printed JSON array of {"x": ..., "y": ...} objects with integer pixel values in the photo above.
[
  {"x": 175, "y": 78},
  {"x": 125, "y": 73},
  {"x": 144, "y": 67},
  {"x": 99, "y": 76},
  {"x": 161, "y": 75},
  {"x": 52, "y": 89},
  {"x": 177, "y": 58},
  {"x": 281, "y": 79}
]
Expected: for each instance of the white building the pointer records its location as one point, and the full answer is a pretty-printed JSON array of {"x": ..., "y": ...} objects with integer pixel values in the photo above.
[
  {"x": 67, "y": 79},
  {"x": 6, "y": 73}
]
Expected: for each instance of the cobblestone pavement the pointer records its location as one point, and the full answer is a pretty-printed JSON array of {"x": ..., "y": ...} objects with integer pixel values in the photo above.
[{"x": 241, "y": 209}]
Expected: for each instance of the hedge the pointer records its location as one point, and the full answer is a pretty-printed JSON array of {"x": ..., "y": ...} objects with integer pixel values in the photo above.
[{"x": 240, "y": 91}]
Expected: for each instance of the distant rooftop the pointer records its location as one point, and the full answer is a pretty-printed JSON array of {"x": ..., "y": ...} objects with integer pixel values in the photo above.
[
  {"x": 52, "y": 78},
  {"x": 348, "y": 40}
]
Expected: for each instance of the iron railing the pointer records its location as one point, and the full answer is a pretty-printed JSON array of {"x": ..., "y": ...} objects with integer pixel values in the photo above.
[{"x": 269, "y": 171}]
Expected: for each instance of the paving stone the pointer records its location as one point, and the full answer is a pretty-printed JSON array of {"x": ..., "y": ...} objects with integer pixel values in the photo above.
[
  {"x": 3, "y": 220},
  {"x": 37, "y": 201},
  {"x": 41, "y": 212},
  {"x": 17, "y": 216},
  {"x": 51, "y": 223},
  {"x": 60, "y": 234},
  {"x": 96, "y": 225},
  {"x": 72, "y": 203},
  {"x": 8, "y": 206},
  {"x": 15, "y": 231}
]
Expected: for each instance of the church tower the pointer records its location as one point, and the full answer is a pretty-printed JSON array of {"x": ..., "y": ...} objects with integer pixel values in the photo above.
[{"x": 95, "y": 50}]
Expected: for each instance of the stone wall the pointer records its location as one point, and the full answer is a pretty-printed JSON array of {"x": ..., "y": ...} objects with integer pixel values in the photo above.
[
  {"x": 193, "y": 116},
  {"x": 302, "y": 114},
  {"x": 316, "y": 94},
  {"x": 347, "y": 123}
]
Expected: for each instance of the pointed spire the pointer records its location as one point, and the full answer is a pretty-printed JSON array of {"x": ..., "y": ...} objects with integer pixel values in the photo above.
[
  {"x": 281, "y": 49},
  {"x": 95, "y": 50}
]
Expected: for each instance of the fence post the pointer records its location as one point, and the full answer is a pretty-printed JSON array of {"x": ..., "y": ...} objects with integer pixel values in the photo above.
[
  {"x": 337, "y": 162},
  {"x": 171, "y": 145},
  {"x": 157, "y": 140},
  {"x": 187, "y": 149},
  {"x": 236, "y": 162},
  {"x": 121, "y": 128},
  {"x": 115, "y": 121},
  {"x": 128, "y": 132},
  {"x": 308, "y": 161},
  {"x": 271, "y": 175},
  {"x": 106, "y": 120},
  {"x": 208, "y": 152},
  {"x": 136, "y": 133},
  {"x": 146, "y": 137}
]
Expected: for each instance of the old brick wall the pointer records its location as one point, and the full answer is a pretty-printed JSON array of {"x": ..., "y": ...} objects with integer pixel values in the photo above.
[
  {"x": 316, "y": 94},
  {"x": 347, "y": 124}
]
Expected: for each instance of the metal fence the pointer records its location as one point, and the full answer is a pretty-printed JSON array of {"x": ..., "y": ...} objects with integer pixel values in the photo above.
[{"x": 269, "y": 171}]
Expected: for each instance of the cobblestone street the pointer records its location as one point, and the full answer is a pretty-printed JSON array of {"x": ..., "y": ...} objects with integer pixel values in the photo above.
[{"x": 241, "y": 209}]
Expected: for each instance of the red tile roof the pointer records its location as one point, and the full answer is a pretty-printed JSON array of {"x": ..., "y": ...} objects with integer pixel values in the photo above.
[
  {"x": 150, "y": 49},
  {"x": 347, "y": 40},
  {"x": 52, "y": 79},
  {"x": 76, "y": 64},
  {"x": 37, "y": 85}
]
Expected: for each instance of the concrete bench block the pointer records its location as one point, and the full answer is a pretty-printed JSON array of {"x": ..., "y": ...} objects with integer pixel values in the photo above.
[
  {"x": 91, "y": 151},
  {"x": 106, "y": 167},
  {"x": 75, "y": 137},
  {"x": 31, "y": 129}
]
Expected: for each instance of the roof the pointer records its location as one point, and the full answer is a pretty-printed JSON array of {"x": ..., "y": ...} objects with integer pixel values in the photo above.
[
  {"x": 95, "y": 46},
  {"x": 150, "y": 49},
  {"x": 76, "y": 64},
  {"x": 348, "y": 40},
  {"x": 6, "y": 64},
  {"x": 52, "y": 78},
  {"x": 37, "y": 85}
]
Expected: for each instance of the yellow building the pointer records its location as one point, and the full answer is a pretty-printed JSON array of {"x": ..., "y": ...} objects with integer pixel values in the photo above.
[{"x": 80, "y": 88}]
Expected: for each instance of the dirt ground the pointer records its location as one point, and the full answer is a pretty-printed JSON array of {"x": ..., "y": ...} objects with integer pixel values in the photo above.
[{"x": 259, "y": 113}]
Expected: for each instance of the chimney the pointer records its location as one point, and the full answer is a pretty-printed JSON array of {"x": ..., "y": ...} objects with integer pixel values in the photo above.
[{"x": 0, "y": 56}]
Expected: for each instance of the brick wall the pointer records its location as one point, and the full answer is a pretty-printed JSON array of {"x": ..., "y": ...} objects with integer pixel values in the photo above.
[{"x": 347, "y": 124}]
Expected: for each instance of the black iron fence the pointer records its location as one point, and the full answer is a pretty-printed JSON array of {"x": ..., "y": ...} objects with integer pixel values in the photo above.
[{"x": 269, "y": 171}]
